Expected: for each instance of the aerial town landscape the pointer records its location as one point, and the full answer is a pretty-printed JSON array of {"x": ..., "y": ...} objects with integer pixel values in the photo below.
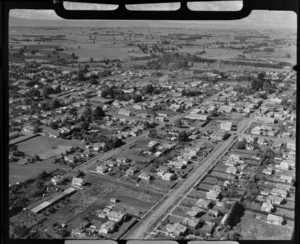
[{"x": 133, "y": 132}]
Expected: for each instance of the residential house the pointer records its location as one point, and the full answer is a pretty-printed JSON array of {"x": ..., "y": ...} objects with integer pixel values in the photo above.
[
  {"x": 77, "y": 182},
  {"x": 214, "y": 193},
  {"x": 99, "y": 146},
  {"x": 204, "y": 203},
  {"x": 176, "y": 164},
  {"x": 137, "y": 106},
  {"x": 225, "y": 109},
  {"x": 201, "y": 117},
  {"x": 107, "y": 227},
  {"x": 145, "y": 176},
  {"x": 283, "y": 186},
  {"x": 195, "y": 211},
  {"x": 279, "y": 192},
  {"x": 286, "y": 178},
  {"x": 176, "y": 229},
  {"x": 77, "y": 233},
  {"x": 226, "y": 126},
  {"x": 131, "y": 171},
  {"x": 28, "y": 128},
  {"x": 274, "y": 199},
  {"x": 235, "y": 157},
  {"x": 265, "y": 192},
  {"x": 162, "y": 170},
  {"x": 285, "y": 165},
  {"x": 152, "y": 144},
  {"x": 101, "y": 169},
  {"x": 267, "y": 207},
  {"x": 268, "y": 171},
  {"x": 117, "y": 217},
  {"x": 191, "y": 222},
  {"x": 214, "y": 213},
  {"x": 125, "y": 112},
  {"x": 274, "y": 219},
  {"x": 231, "y": 170},
  {"x": 70, "y": 158},
  {"x": 291, "y": 146},
  {"x": 219, "y": 136},
  {"x": 208, "y": 227},
  {"x": 123, "y": 160},
  {"x": 175, "y": 107},
  {"x": 168, "y": 176},
  {"x": 266, "y": 120},
  {"x": 57, "y": 179},
  {"x": 111, "y": 163}
]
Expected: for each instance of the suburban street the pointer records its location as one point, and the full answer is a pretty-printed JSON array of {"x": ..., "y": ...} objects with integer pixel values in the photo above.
[
  {"x": 107, "y": 155},
  {"x": 186, "y": 185}
]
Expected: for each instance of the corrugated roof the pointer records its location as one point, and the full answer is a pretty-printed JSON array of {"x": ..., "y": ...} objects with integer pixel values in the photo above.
[{"x": 41, "y": 206}]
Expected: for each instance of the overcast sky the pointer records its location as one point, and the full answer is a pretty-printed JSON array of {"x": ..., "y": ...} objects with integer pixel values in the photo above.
[{"x": 280, "y": 19}]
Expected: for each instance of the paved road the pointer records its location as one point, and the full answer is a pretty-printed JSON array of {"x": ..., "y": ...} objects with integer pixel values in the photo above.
[{"x": 188, "y": 184}]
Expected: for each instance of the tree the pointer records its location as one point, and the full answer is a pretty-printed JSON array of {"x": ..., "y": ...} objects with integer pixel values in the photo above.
[
  {"x": 116, "y": 142},
  {"x": 74, "y": 56},
  {"x": 57, "y": 89},
  {"x": 182, "y": 136},
  {"x": 44, "y": 105},
  {"x": 73, "y": 111},
  {"x": 63, "y": 232},
  {"x": 43, "y": 175},
  {"x": 91, "y": 60},
  {"x": 36, "y": 129},
  {"x": 84, "y": 125},
  {"x": 47, "y": 91},
  {"x": 93, "y": 81},
  {"x": 36, "y": 157},
  {"x": 149, "y": 89},
  {"x": 98, "y": 112},
  {"x": 137, "y": 98},
  {"x": 87, "y": 113},
  {"x": 152, "y": 133},
  {"x": 147, "y": 125},
  {"x": 241, "y": 144},
  {"x": 53, "y": 125},
  {"x": 54, "y": 104},
  {"x": 34, "y": 92},
  {"x": 104, "y": 93},
  {"x": 80, "y": 75},
  {"x": 178, "y": 123},
  {"x": 261, "y": 75}
]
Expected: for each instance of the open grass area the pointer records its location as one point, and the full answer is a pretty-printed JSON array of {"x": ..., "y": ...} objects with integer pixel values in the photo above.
[
  {"x": 132, "y": 196},
  {"x": 19, "y": 173},
  {"x": 46, "y": 147},
  {"x": 255, "y": 229}
]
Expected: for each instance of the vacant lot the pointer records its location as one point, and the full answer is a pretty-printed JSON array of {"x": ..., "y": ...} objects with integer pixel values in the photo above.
[
  {"x": 255, "y": 229},
  {"x": 46, "y": 147},
  {"x": 130, "y": 196},
  {"x": 19, "y": 173}
]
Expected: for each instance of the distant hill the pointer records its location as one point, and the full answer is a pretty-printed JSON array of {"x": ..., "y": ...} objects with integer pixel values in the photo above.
[{"x": 256, "y": 19}]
